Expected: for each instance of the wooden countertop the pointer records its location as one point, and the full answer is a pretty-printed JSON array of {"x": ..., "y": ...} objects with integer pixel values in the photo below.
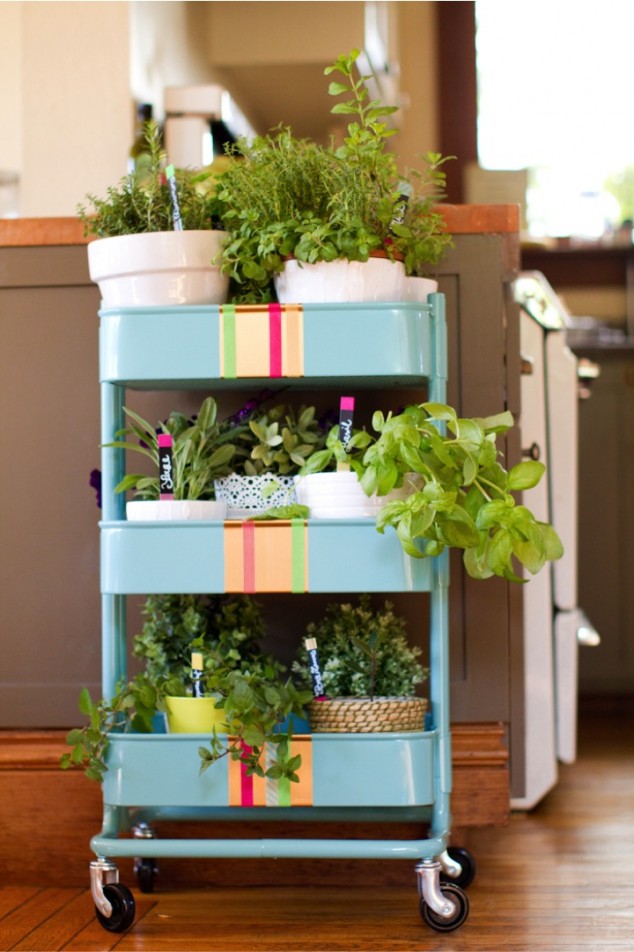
[{"x": 460, "y": 219}]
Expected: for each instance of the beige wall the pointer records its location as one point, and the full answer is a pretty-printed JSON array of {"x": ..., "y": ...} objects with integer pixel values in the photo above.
[
  {"x": 74, "y": 102},
  {"x": 70, "y": 73}
]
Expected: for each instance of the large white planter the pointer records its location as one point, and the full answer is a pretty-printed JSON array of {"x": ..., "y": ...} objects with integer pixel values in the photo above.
[
  {"x": 247, "y": 496},
  {"x": 157, "y": 269},
  {"x": 175, "y": 510},
  {"x": 417, "y": 289},
  {"x": 339, "y": 496},
  {"x": 334, "y": 282}
]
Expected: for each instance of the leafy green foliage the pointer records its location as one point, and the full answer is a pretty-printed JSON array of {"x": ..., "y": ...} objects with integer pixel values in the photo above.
[
  {"x": 363, "y": 652},
  {"x": 293, "y": 511},
  {"x": 256, "y": 708},
  {"x": 132, "y": 709},
  {"x": 335, "y": 453},
  {"x": 142, "y": 203},
  {"x": 284, "y": 196},
  {"x": 277, "y": 440},
  {"x": 226, "y": 629},
  {"x": 201, "y": 452},
  {"x": 465, "y": 497}
]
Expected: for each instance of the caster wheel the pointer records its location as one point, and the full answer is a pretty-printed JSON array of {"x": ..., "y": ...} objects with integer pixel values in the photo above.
[
  {"x": 442, "y": 923},
  {"x": 145, "y": 870},
  {"x": 123, "y": 908},
  {"x": 468, "y": 870}
]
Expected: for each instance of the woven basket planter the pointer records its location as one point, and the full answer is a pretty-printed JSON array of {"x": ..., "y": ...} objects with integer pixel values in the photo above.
[{"x": 361, "y": 715}]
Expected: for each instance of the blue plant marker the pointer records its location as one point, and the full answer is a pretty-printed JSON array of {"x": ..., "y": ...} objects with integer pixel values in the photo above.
[{"x": 176, "y": 212}]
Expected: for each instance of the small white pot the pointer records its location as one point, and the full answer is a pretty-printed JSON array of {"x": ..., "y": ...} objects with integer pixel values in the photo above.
[
  {"x": 377, "y": 279},
  {"x": 156, "y": 269},
  {"x": 339, "y": 496},
  {"x": 247, "y": 496},
  {"x": 417, "y": 289},
  {"x": 175, "y": 510}
]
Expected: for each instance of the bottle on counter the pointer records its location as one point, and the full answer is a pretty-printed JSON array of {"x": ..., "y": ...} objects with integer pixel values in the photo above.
[{"x": 138, "y": 154}]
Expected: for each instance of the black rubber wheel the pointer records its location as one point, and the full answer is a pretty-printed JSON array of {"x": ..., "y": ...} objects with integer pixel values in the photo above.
[
  {"x": 123, "y": 908},
  {"x": 468, "y": 867},
  {"x": 145, "y": 870},
  {"x": 441, "y": 923}
]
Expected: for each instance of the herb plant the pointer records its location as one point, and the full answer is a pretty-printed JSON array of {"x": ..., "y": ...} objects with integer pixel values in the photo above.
[
  {"x": 132, "y": 709},
  {"x": 142, "y": 203},
  {"x": 226, "y": 629},
  {"x": 462, "y": 496},
  {"x": 278, "y": 440},
  {"x": 363, "y": 652},
  {"x": 466, "y": 496},
  {"x": 284, "y": 196},
  {"x": 260, "y": 712},
  {"x": 201, "y": 452}
]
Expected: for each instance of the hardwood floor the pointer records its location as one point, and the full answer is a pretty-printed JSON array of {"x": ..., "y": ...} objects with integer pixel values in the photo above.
[{"x": 559, "y": 879}]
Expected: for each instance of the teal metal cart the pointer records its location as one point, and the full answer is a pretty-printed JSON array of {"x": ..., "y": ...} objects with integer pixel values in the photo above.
[{"x": 383, "y": 777}]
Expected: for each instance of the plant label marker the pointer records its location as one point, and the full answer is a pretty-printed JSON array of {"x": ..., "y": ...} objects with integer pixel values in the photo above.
[
  {"x": 176, "y": 212},
  {"x": 166, "y": 466},
  {"x": 346, "y": 414}
]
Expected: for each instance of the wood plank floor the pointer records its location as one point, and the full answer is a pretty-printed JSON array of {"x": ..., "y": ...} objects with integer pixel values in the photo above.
[{"x": 559, "y": 879}]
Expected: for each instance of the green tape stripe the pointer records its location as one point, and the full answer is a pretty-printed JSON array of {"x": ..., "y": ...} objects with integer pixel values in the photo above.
[
  {"x": 298, "y": 555},
  {"x": 284, "y": 792},
  {"x": 229, "y": 341}
]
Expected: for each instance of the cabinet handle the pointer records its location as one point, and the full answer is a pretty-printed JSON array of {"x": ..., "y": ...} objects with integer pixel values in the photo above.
[{"x": 533, "y": 452}]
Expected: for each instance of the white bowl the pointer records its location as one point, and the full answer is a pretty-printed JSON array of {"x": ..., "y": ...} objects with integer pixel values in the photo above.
[
  {"x": 417, "y": 289},
  {"x": 174, "y": 510},
  {"x": 378, "y": 279},
  {"x": 158, "y": 269},
  {"x": 339, "y": 496}
]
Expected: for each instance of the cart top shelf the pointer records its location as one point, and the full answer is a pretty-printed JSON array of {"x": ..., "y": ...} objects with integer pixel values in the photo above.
[{"x": 400, "y": 344}]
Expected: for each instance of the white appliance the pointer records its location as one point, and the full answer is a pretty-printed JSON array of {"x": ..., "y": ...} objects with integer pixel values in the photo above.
[{"x": 554, "y": 625}]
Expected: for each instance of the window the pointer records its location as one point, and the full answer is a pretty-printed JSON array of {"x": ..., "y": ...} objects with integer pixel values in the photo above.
[{"x": 555, "y": 98}]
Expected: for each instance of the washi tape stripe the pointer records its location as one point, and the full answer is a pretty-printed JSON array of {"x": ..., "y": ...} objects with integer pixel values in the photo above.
[
  {"x": 293, "y": 340},
  {"x": 275, "y": 340},
  {"x": 298, "y": 556},
  {"x": 248, "y": 557},
  {"x": 246, "y": 782},
  {"x": 228, "y": 343}
]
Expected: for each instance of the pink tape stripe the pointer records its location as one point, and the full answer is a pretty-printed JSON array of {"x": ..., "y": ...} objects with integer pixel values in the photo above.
[
  {"x": 246, "y": 782},
  {"x": 248, "y": 557},
  {"x": 275, "y": 340}
]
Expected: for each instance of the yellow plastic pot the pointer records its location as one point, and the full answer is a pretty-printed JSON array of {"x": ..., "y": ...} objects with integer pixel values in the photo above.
[{"x": 194, "y": 715}]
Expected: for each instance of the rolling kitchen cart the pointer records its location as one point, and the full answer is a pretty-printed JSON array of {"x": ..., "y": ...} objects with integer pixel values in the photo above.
[{"x": 378, "y": 777}]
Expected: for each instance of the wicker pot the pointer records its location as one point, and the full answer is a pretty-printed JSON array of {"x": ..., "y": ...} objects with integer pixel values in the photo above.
[{"x": 361, "y": 715}]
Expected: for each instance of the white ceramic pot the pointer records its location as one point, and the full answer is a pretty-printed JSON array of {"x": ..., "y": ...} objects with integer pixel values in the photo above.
[
  {"x": 334, "y": 282},
  {"x": 339, "y": 496},
  {"x": 417, "y": 289},
  {"x": 157, "y": 269},
  {"x": 175, "y": 510},
  {"x": 247, "y": 496}
]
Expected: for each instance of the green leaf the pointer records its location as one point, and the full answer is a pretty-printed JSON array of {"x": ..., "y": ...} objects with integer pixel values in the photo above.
[
  {"x": 336, "y": 89},
  {"x": 86, "y": 705},
  {"x": 525, "y": 475}
]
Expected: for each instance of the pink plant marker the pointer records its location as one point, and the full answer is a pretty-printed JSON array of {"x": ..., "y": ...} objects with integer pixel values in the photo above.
[{"x": 166, "y": 466}]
